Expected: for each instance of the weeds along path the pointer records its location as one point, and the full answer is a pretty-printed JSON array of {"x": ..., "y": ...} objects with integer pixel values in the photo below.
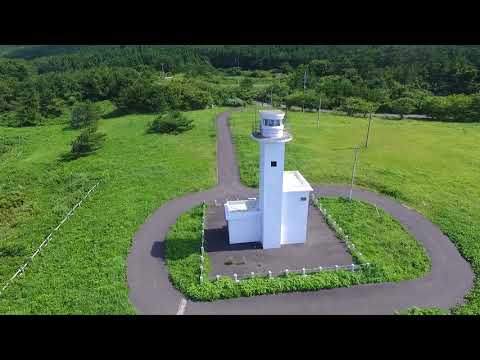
[{"x": 152, "y": 293}]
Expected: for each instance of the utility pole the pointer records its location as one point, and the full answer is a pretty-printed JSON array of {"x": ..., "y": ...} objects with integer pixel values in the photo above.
[
  {"x": 318, "y": 115},
  {"x": 368, "y": 132},
  {"x": 271, "y": 96},
  {"x": 357, "y": 149}
]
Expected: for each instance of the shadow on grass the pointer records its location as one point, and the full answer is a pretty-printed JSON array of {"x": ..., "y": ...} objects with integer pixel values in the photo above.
[
  {"x": 69, "y": 128},
  {"x": 115, "y": 113},
  {"x": 68, "y": 156},
  {"x": 175, "y": 249},
  {"x": 383, "y": 189}
]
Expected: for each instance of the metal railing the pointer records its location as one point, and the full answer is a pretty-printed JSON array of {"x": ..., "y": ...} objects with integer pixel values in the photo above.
[{"x": 47, "y": 239}]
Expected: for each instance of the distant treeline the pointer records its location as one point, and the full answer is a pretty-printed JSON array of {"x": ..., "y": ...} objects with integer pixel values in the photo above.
[
  {"x": 38, "y": 82},
  {"x": 443, "y": 70}
]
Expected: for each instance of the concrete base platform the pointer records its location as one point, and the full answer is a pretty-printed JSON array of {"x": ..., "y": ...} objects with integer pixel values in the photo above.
[{"x": 322, "y": 248}]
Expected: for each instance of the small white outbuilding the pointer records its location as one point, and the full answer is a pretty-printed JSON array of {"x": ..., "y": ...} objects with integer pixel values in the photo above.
[{"x": 279, "y": 216}]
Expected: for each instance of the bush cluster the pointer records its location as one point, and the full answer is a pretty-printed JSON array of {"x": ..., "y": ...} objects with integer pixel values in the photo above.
[
  {"x": 459, "y": 107},
  {"x": 89, "y": 141},
  {"x": 84, "y": 114},
  {"x": 173, "y": 122}
]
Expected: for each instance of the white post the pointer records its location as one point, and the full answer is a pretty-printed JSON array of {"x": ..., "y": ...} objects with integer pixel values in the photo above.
[
  {"x": 270, "y": 274},
  {"x": 235, "y": 276}
]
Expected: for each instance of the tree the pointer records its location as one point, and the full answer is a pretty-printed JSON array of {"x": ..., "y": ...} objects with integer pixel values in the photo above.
[
  {"x": 28, "y": 112},
  {"x": 403, "y": 106},
  {"x": 84, "y": 114},
  {"x": 7, "y": 95},
  {"x": 354, "y": 105},
  {"x": 173, "y": 122},
  {"x": 319, "y": 68},
  {"x": 88, "y": 142},
  {"x": 294, "y": 99}
]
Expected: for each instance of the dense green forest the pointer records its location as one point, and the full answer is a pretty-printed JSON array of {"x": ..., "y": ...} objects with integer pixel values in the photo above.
[{"x": 38, "y": 83}]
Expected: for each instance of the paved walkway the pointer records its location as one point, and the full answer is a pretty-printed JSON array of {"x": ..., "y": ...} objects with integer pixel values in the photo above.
[
  {"x": 152, "y": 293},
  {"x": 321, "y": 248}
]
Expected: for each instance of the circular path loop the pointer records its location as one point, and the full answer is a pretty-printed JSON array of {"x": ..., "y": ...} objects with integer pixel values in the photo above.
[{"x": 152, "y": 293}]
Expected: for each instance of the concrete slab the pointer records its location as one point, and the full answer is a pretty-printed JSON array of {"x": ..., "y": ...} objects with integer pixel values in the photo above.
[{"x": 322, "y": 248}]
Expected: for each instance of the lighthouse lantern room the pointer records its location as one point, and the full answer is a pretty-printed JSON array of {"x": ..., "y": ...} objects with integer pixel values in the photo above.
[{"x": 279, "y": 216}]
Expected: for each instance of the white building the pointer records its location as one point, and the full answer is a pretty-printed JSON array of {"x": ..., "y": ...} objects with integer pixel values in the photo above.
[{"x": 280, "y": 214}]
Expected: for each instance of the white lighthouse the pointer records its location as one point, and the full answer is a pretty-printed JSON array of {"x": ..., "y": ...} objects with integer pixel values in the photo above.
[{"x": 279, "y": 216}]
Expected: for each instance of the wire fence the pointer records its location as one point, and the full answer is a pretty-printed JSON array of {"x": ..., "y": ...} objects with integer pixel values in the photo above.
[{"x": 47, "y": 239}]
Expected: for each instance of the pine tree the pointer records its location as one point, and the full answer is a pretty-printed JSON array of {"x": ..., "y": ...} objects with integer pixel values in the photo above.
[{"x": 28, "y": 113}]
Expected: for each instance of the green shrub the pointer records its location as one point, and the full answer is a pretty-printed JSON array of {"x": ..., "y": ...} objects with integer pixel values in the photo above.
[
  {"x": 84, "y": 114},
  {"x": 423, "y": 311},
  {"x": 458, "y": 107},
  {"x": 403, "y": 106},
  {"x": 87, "y": 142},
  {"x": 355, "y": 105},
  {"x": 234, "y": 102},
  {"x": 173, "y": 122}
]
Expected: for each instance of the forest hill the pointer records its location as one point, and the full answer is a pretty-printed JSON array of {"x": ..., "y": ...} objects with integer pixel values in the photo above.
[{"x": 439, "y": 81}]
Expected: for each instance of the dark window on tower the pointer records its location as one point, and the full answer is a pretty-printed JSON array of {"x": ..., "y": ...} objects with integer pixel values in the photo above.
[{"x": 273, "y": 163}]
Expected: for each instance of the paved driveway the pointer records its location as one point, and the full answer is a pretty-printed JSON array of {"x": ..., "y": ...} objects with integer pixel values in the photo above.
[{"x": 152, "y": 293}]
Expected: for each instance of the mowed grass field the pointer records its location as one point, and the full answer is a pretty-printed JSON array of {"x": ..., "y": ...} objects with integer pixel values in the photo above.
[
  {"x": 83, "y": 269},
  {"x": 433, "y": 167}
]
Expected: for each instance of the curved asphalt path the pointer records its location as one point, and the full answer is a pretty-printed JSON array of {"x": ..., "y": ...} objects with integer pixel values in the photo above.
[{"x": 152, "y": 293}]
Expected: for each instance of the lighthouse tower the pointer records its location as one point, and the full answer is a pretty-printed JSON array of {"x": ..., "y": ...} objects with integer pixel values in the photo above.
[
  {"x": 272, "y": 139},
  {"x": 279, "y": 216}
]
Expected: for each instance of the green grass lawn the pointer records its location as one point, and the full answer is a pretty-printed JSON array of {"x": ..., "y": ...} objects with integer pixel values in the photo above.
[
  {"x": 392, "y": 253},
  {"x": 430, "y": 166},
  {"x": 83, "y": 269}
]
